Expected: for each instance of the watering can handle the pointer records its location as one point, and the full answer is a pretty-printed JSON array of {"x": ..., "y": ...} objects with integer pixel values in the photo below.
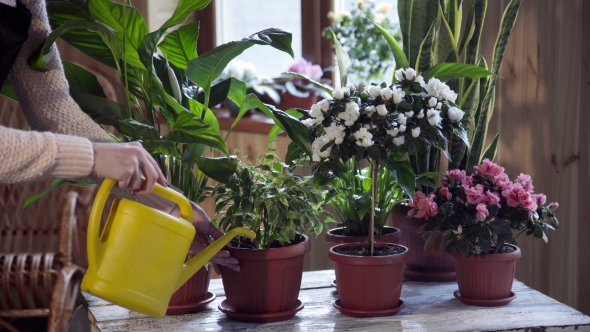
[{"x": 94, "y": 241}]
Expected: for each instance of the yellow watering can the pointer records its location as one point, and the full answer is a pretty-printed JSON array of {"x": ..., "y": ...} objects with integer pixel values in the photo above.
[{"x": 138, "y": 261}]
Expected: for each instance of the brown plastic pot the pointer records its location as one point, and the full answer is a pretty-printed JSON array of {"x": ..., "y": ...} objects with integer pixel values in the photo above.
[
  {"x": 486, "y": 280},
  {"x": 424, "y": 265},
  {"x": 336, "y": 236},
  {"x": 193, "y": 295},
  {"x": 267, "y": 286},
  {"x": 290, "y": 101},
  {"x": 369, "y": 286}
]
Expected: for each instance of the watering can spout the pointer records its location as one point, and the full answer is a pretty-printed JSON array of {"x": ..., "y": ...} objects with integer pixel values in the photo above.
[{"x": 194, "y": 264}]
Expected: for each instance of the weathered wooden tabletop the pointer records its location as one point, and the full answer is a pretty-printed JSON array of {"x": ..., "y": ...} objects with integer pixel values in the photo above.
[{"x": 429, "y": 307}]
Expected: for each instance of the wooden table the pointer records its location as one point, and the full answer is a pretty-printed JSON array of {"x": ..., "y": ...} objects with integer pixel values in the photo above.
[{"x": 429, "y": 307}]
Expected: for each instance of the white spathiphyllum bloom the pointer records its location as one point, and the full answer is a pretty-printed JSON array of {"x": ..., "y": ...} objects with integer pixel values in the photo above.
[
  {"x": 324, "y": 105},
  {"x": 386, "y": 93},
  {"x": 393, "y": 132},
  {"x": 440, "y": 90},
  {"x": 399, "y": 140},
  {"x": 316, "y": 110},
  {"x": 335, "y": 132},
  {"x": 316, "y": 147},
  {"x": 402, "y": 119},
  {"x": 350, "y": 114},
  {"x": 409, "y": 114},
  {"x": 382, "y": 110},
  {"x": 455, "y": 114},
  {"x": 370, "y": 110},
  {"x": 432, "y": 102},
  {"x": 374, "y": 91},
  {"x": 416, "y": 132},
  {"x": 337, "y": 94},
  {"x": 363, "y": 137},
  {"x": 398, "y": 95},
  {"x": 402, "y": 128},
  {"x": 420, "y": 115},
  {"x": 433, "y": 117}
]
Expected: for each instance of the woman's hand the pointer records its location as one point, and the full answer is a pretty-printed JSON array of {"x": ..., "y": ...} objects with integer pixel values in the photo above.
[{"x": 205, "y": 228}]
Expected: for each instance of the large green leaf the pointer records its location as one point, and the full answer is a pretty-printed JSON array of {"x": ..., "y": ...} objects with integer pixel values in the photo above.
[
  {"x": 180, "y": 46},
  {"x": 453, "y": 15},
  {"x": 8, "y": 91},
  {"x": 469, "y": 28},
  {"x": 219, "y": 169},
  {"x": 479, "y": 15},
  {"x": 401, "y": 61},
  {"x": 108, "y": 37},
  {"x": 446, "y": 44},
  {"x": 81, "y": 79},
  {"x": 426, "y": 53},
  {"x": 342, "y": 60},
  {"x": 183, "y": 10},
  {"x": 61, "y": 11},
  {"x": 189, "y": 128},
  {"x": 230, "y": 88},
  {"x": 404, "y": 175},
  {"x": 197, "y": 109},
  {"x": 416, "y": 17},
  {"x": 276, "y": 129},
  {"x": 490, "y": 152},
  {"x": 445, "y": 71},
  {"x": 324, "y": 87}
]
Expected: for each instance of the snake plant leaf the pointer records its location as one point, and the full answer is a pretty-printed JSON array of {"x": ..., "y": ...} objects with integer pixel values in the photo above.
[
  {"x": 445, "y": 48},
  {"x": 343, "y": 61},
  {"x": 492, "y": 149},
  {"x": 404, "y": 175},
  {"x": 180, "y": 46},
  {"x": 448, "y": 70},
  {"x": 426, "y": 53},
  {"x": 453, "y": 14},
  {"x": 189, "y": 128},
  {"x": 469, "y": 28},
  {"x": 218, "y": 168},
  {"x": 8, "y": 91},
  {"x": 481, "y": 127},
  {"x": 416, "y": 17},
  {"x": 479, "y": 10},
  {"x": 114, "y": 48},
  {"x": 401, "y": 61},
  {"x": 324, "y": 87}
]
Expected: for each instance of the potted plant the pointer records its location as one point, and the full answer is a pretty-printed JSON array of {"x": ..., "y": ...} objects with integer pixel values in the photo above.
[
  {"x": 168, "y": 89},
  {"x": 433, "y": 42},
  {"x": 280, "y": 207},
  {"x": 479, "y": 212}
]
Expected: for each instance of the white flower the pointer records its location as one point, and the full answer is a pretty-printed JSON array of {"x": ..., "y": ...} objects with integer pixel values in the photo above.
[
  {"x": 335, "y": 132},
  {"x": 383, "y": 7},
  {"x": 337, "y": 94},
  {"x": 386, "y": 93},
  {"x": 398, "y": 95},
  {"x": 382, "y": 110},
  {"x": 440, "y": 90},
  {"x": 433, "y": 117},
  {"x": 378, "y": 18},
  {"x": 374, "y": 91},
  {"x": 420, "y": 80},
  {"x": 402, "y": 128},
  {"x": 317, "y": 120},
  {"x": 350, "y": 114},
  {"x": 420, "y": 114},
  {"x": 416, "y": 132},
  {"x": 324, "y": 105},
  {"x": 316, "y": 147},
  {"x": 438, "y": 106},
  {"x": 363, "y": 137},
  {"x": 370, "y": 110},
  {"x": 432, "y": 102},
  {"x": 350, "y": 86},
  {"x": 308, "y": 122},
  {"x": 449, "y": 95},
  {"x": 346, "y": 91},
  {"x": 393, "y": 132},
  {"x": 402, "y": 119},
  {"x": 409, "y": 114},
  {"x": 455, "y": 114},
  {"x": 370, "y": 126},
  {"x": 316, "y": 110},
  {"x": 399, "y": 140}
]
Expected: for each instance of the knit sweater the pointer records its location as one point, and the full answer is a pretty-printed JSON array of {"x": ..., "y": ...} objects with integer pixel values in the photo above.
[{"x": 62, "y": 147}]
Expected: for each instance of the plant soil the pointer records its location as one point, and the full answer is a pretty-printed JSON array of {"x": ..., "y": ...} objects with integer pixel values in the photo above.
[
  {"x": 504, "y": 250},
  {"x": 244, "y": 242},
  {"x": 365, "y": 250}
]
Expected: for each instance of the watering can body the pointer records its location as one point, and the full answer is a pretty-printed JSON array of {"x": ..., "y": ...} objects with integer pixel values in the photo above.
[{"x": 138, "y": 261}]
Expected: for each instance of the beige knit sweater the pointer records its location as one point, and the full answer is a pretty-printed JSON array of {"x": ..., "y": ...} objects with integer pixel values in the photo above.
[{"x": 62, "y": 146}]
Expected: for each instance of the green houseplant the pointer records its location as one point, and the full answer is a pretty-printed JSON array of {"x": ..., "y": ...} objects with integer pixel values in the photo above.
[
  {"x": 479, "y": 212},
  {"x": 280, "y": 207},
  {"x": 167, "y": 84}
]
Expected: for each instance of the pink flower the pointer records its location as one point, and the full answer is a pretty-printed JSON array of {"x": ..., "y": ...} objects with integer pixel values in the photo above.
[
  {"x": 422, "y": 206},
  {"x": 502, "y": 182},
  {"x": 539, "y": 198},
  {"x": 517, "y": 195},
  {"x": 482, "y": 212},
  {"x": 444, "y": 191},
  {"x": 475, "y": 194},
  {"x": 554, "y": 205},
  {"x": 306, "y": 68},
  {"x": 489, "y": 168},
  {"x": 492, "y": 198},
  {"x": 458, "y": 176},
  {"x": 526, "y": 182}
]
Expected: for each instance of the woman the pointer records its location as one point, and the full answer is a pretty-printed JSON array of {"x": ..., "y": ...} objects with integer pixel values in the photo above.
[{"x": 66, "y": 142}]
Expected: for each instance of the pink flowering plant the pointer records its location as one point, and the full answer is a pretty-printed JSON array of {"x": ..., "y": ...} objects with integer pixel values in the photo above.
[
  {"x": 300, "y": 79},
  {"x": 480, "y": 211}
]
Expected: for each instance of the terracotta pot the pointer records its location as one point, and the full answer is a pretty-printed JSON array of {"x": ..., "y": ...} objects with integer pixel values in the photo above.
[
  {"x": 424, "y": 265},
  {"x": 290, "y": 101},
  {"x": 369, "y": 286},
  {"x": 486, "y": 280},
  {"x": 390, "y": 235},
  {"x": 193, "y": 295},
  {"x": 267, "y": 286}
]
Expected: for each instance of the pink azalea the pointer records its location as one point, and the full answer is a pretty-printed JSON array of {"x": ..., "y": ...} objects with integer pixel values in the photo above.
[
  {"x": 444, "y": 191},
  {"x": 517, "y": 195},
  {"x": 475, "y": 194},
  {"x": 306, "y": 68},
  {"x": 458, "y": 176},
  {"x": 489, "y": 168},
  {"x": 422, "y": 206},
  {"x": 482, "y": 212},
  {"x": 492, "y": 198},
  {"x": 502, "y": 182},
  {"x": 554, "y": 205},
  {"x": 539, "y": 198},
  {"x": 526, "y": 181}
]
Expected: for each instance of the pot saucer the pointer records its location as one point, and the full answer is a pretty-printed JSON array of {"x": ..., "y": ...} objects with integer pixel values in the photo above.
[
  {"x": 258, "y": 318},
  {"x": 189, "y": 308},
  {"x": 430, "y": 276},
  {"x": 485, "y": 303},
  {"x": 366, "y": 314},
  {"x": 334, "y": 284}
]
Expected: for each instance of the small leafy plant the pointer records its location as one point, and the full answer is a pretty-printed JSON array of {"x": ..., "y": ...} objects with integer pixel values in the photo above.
[
  {"x": 479, "y": 211},
  {"x": 272, "y": 201}
]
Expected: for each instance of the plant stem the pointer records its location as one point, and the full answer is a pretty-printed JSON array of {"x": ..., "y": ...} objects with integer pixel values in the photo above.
[
  {"x": 375, "y": 171},
  {"x": 519, "y": 233}
]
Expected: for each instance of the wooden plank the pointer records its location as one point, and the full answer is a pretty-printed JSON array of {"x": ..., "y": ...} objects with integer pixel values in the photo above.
[{"x": 429, "y": 307}]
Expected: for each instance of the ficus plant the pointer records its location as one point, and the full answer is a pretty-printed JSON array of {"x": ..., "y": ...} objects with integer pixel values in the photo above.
[{"x": 167, "y": 83}]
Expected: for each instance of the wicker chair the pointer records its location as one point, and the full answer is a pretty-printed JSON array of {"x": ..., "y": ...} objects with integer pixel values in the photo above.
[{"x": 42, "y": 247}]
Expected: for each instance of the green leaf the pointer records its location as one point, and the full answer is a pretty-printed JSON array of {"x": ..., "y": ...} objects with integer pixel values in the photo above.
[
  {"x": 276, "y": 129},
  {"x": 446, "y": 44},
  {"x": 183, "y": 10},
  {"x": 342, "y": 59},
  {"x": 490, "y": 152},
  {"x": 445, "y": 71},
  {"x": 426, "y": 54},
  {"x": 324, "y": 87},
  {"x": 404, "y": 175},
  {"x": 59, "y": 182},
  {"x": 219, "y": 169},
  {"x": 469, "y": 28},
  {"x": 230, "y": 88},
  {"x": 401, "y": 61},
  {"x": 191, "y": 129},
  {"x": 101, "y": 110},
  {"x": 8, "y": 91},
  {"x": 82, "y": 80},
  {"x": 196, "y": 108},
  {"x": 180, "y": 46},
  {"x": 416, "y": 17},
  {"x": 479, "y": 15}
]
